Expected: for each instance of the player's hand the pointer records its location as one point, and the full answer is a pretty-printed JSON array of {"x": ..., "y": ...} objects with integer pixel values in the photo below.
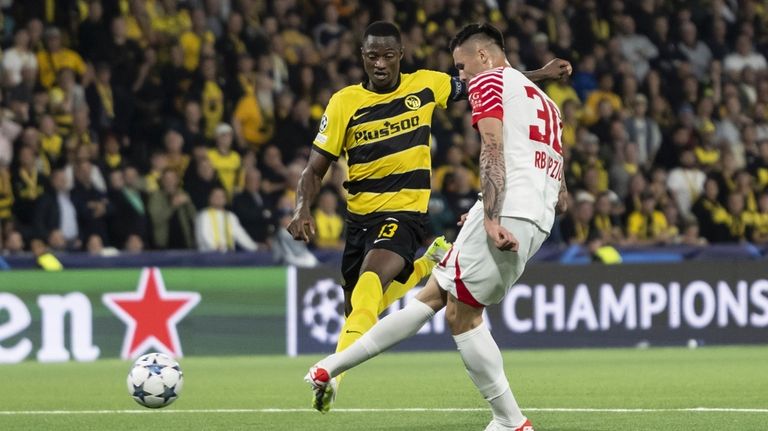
[
  {"x": 557, "y": 69},
  {"x": 501, "y": 237},
  {"x": 462, "y": 219},
  {"x": 302, "y": 227}
]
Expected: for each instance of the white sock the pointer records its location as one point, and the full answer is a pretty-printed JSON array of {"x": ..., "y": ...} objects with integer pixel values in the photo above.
[
  {"x": 482, "y": 359},
  {"x": 386, "y": 333}
]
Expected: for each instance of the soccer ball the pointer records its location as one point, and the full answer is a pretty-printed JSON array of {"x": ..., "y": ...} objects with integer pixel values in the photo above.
[{"x": 155, "y": 380}]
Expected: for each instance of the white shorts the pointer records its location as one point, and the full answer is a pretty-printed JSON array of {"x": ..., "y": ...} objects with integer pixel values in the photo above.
[{"x": 475, "y": 271}]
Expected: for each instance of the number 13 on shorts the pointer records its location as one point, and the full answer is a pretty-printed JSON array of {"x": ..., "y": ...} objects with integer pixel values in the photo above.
[{"x": 388, "y": 230}]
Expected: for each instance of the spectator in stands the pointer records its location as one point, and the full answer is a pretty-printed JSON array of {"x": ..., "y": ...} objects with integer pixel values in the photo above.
[
  {"x": 197, "y": 41},
  {"x": 745, "y": 185},
  {"x": 217, "y": 229},
  {"x": 101, "y": 99},
  {"x": 686, "y": 182},
  {"x": 695, "y": 51},
  {"x": 738, "y": 226},
  {"x": 6, "y": 195},
  {"x": 758, "y": 168},
  {"x": 56, "y": 57},
  {"x": 647, "y": 225},
  {"x": 191, "y": 130},
  {"x": 111, "y": 159},
  {"x": 84, "y": 153},
  {"x": 56, "y": 216},
  {"x": 707, "y": 151},
  {"x": 637, "y": 49},
  {"x": 295, "y": 129},
  {"x": 174, "y": 146},
  {"x": 643, "y": 131},
  {"x": 51, "y": 142},
  {"x": 208, "y": 88},
  {"x": 29, "y": 184},
  {"x": 274, "y": 173},
  {"x": 744, "y": 57},
  {"x": 458, "y": 191},
  {"x": 577, "y": 226},
  {"x": 224, "y": 159},
  {"x": 625, "y": 166},
  {"x": 18, "y": 58},
  {"x": 760, "y": 234},
  {"x": 253, "y": 117},
  {"x": 329, "y": 224},
  {"x": 251, "y": 209},
  {"x": 605, "y": 223},
  {"x": 129, "y": 216},
  {"x": 708, "y": 210},
  {"x": 91, "y": 32},
  {"x": 91, "y": 204},
  {"x": 171, "y": 214},
  {"x": 14, "y": 242},
  {"x": 200, "y": 181},
  {"x": 729, "y": 128},
  {"x": 158, "y": 164}
]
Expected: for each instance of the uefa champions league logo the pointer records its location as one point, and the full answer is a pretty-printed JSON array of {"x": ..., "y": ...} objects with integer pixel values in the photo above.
[{"x": 323, "y": 311}]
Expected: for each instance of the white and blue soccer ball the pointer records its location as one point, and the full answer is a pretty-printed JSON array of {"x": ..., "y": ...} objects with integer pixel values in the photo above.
[{"x": 155, "y": 380}]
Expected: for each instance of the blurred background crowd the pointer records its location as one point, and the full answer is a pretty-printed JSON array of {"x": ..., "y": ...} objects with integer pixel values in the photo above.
[{"x": 164, "y": 124}]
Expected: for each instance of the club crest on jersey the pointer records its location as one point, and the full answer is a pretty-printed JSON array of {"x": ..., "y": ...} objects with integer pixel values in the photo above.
[
  {"x": 323, "y": 123},
  {"x": 412, "y": 102}
]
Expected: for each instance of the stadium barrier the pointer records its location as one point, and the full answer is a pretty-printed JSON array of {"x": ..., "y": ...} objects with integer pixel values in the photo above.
[
  {"x": 690, "y": 303},
  {"x": 549, "y": 253},
  {"x": 84, "y": 315}
]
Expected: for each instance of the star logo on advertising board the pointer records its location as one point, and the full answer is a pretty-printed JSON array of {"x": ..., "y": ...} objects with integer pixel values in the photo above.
[{"x": 151, "y": 314}]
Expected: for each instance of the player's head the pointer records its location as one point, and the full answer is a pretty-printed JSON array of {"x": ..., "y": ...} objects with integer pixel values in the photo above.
[
  {"x": 477, "y": 48},
  {"x": 382, "y": 51}
]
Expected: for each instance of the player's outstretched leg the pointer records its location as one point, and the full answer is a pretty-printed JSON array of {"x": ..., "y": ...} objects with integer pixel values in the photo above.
[
  {"x": 421, "y": 268},
  {"x": 482, "y": 359},
  {"x": 385, "y": 334}
]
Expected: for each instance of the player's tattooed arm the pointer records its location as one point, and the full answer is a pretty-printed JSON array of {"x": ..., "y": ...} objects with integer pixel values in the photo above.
[{"x": 493, "y": 177}]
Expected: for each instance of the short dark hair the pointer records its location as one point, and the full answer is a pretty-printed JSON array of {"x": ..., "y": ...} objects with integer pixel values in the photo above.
[
  {"x": 383, "y": 28},
  {"x": 486, "y": 31}
]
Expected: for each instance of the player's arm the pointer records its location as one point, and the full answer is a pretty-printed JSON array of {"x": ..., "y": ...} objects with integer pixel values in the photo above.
[
  {"x": 555, "y": 69},
  {"x": 326, "y": 148},
  {"x": 302, "y": 227},
  {"x": 493, "y": 181}
]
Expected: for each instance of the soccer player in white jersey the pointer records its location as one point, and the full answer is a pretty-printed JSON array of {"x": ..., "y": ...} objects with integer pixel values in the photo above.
[{"x": 521, "y": 172}]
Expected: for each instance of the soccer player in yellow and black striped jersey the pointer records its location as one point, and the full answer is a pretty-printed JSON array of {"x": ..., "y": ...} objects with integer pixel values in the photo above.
[{"x": 382, "y": 126}]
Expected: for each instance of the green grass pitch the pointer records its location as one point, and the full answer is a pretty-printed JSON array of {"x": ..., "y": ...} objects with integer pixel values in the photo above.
[{"x": 233, "y": 393}]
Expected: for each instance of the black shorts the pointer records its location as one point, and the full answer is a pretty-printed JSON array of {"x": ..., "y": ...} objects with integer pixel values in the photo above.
[{"x": 402, "y": 233}]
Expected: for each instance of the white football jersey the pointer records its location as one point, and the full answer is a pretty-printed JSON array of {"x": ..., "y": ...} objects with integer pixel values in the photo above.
[{"x": 533, "y": 154}]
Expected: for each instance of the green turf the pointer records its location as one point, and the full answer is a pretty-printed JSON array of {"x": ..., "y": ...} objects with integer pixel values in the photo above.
[{"x": 729, "y": 377}]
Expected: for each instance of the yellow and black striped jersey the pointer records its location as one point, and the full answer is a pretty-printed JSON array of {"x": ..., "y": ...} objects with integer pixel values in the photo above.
[{"x": 386, "y": 139}]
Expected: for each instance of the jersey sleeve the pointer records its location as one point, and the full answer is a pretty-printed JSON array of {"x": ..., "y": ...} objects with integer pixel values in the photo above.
[
  {"x": 441, "y": 86},
  {"x": 485, "y": 95},
  {"x": 329, "y": 140}
]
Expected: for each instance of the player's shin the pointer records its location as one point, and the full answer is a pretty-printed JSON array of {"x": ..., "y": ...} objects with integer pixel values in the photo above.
[
  {"x": 389, "y": 331},
  {"x": 396, "y": 290},
  {"x": 482, "y": 359},
  {"x": 366, "y": 297}
]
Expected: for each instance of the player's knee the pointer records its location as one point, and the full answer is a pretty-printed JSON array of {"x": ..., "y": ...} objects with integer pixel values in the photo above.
[{"x": 459, "y": 322}]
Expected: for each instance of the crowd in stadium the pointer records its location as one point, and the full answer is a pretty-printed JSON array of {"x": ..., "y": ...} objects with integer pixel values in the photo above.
[{"x": 164, "y": 124}]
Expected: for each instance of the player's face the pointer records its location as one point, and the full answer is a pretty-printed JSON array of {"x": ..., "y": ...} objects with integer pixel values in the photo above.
[
  {"x": 470, "y": 61},
  {"x": 381, "y": 60}
]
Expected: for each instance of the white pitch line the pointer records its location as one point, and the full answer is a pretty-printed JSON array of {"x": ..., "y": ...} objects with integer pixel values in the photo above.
[{"x": 374, "y": 410}]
